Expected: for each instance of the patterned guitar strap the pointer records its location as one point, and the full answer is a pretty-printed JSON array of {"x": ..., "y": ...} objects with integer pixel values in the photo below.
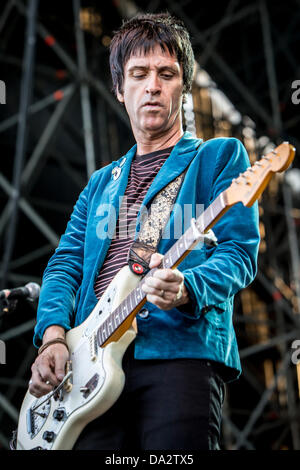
[{"x": 152, "y": 227}]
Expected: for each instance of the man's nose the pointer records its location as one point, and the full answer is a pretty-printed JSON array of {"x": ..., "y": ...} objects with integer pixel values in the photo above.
[{"x": 153, "y": 84}]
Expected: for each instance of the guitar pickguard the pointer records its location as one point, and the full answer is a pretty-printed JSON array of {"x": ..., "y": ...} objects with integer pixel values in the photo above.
[{"x": 101, "y": 310}]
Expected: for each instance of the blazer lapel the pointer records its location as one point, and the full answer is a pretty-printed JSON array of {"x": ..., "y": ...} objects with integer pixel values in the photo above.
[
  {"x": 118, "y": 185},
  {"x": 116, "y": 190},
  {"x": 181, "y": 156}
]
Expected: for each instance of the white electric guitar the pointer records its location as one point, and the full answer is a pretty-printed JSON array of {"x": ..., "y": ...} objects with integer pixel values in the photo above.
[{"x": 94, "y": 377}]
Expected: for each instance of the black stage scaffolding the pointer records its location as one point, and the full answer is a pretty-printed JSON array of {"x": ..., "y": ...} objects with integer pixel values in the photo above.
[{"x": 61, "y": 122}]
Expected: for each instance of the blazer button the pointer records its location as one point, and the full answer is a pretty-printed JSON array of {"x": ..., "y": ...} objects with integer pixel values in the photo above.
[
  {"x": 205, "y": 309},
  {"x": 143, "y": 313}
]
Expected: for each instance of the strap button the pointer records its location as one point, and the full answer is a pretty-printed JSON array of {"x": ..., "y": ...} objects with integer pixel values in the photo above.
[{"x": 143, "y": 313}]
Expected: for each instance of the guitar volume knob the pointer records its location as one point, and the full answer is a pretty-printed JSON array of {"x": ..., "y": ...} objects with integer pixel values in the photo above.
[
  {"x": 48, "y": 436},
  {"x": 58, "y": 415}
]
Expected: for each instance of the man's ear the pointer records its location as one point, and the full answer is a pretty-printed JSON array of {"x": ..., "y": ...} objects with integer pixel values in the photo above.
[{"x": 120, "y": 96}]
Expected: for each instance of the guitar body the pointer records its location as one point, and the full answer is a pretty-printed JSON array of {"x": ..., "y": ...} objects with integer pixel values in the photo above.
[{"x": 96, "y": 382}]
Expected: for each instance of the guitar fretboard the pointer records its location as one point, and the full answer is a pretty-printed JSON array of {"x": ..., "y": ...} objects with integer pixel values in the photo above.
[{"x": 137, "y": 297}]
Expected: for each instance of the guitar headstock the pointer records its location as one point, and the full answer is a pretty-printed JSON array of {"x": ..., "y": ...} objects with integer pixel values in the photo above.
[{"x": 251, "y": 184}]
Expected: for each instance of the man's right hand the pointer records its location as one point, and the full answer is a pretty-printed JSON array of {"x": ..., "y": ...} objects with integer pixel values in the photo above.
[{"x": 48, "y": 370}]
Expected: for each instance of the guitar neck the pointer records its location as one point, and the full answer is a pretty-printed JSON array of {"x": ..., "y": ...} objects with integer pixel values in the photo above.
[
  {"x": 185, "y": 244},
  {"x": 172, "y": 258}
]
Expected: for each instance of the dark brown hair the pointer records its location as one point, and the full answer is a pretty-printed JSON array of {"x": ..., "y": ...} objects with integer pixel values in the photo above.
[{"x": 141, "y": 34}]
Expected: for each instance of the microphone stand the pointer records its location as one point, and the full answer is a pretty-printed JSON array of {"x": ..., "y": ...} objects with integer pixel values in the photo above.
[{"x": 7, "y": 306}]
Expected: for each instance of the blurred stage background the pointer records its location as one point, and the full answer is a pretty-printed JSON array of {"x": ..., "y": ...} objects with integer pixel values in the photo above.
[{"x": 60, "y": 122}]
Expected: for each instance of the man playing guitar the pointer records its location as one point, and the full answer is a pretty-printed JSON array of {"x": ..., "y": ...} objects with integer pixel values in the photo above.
[{"x": 185, "y": 348}]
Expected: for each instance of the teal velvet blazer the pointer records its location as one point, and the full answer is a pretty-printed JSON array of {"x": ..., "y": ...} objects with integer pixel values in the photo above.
[{"x": 212, "y": 275}]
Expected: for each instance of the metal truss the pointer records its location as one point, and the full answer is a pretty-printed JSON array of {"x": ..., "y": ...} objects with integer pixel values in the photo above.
[
  {"x": 267, "y": 314},
  {"x": 18, "y": 198},
  {"x": 248, "y": 427},
  {"x": 208, "y": 39}
]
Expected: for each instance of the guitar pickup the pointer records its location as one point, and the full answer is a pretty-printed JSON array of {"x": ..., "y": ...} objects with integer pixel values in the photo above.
[
  {"x": 93, "y": 346},
  {"x": 30, "y": 421}
]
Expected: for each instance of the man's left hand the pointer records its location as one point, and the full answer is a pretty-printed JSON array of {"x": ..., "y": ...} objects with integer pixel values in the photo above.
[{"x": 165, "y": 288}]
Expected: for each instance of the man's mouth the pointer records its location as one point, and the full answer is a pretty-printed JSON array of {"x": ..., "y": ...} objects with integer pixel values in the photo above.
[{"x": 152, "y": 105}]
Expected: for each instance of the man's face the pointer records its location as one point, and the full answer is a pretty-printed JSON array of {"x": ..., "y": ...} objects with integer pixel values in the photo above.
[{"x": 152, "y": 92}]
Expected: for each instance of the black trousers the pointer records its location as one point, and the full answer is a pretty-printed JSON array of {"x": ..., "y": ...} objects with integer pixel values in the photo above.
[{"x": 165, "y": 405}]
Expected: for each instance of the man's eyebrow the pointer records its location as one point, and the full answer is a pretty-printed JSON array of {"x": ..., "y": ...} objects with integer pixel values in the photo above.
[
  {"x": 171, "y": 68},
  {"x": 137, "y": 67}
]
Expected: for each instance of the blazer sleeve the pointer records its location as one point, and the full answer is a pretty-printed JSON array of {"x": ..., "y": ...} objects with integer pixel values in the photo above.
[
  {"x": 63, "y": 274},
  {"x": 232, "y": 265}
]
